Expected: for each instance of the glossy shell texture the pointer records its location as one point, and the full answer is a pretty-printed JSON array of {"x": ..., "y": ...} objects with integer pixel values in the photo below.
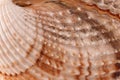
[{"x": 59, "y": 40}]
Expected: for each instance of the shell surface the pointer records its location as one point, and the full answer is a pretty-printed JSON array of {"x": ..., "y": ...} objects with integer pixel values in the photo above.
[{"x": 59, "y": 40}]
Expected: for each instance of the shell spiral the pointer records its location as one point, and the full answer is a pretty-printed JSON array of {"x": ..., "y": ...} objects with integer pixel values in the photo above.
[{"x": 59, "y": 40}]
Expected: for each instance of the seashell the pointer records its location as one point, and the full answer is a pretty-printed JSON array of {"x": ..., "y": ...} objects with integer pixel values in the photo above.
[{"x": 59, "y": 40}]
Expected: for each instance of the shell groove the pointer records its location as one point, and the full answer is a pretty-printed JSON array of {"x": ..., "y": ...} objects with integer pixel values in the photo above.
[{"x": 58, "y": 40}]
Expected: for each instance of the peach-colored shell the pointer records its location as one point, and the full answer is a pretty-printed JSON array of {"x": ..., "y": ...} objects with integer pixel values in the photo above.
[{"x": 58, "y": 40}]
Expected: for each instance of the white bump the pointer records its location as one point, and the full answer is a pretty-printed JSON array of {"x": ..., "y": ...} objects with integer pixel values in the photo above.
[
  {"x": 78, "y": 8},
  {"x": 89, "y": 17},
  {"x": 38, "y": 11},
  {"x": 60, "y": 13},
  {"x": 57, "y": 21},
  {"x": 40, "y": 25},
  {"x": 51, "y": 13},
  {"x": 68, "y": 11},
  {"x": 49, "y": 45},
  {"x": 115, "y": 51},
  {"x": 69, "y": 20},
  {"x": 79, "y": 19},
  {"x": 54, "y": 46},
  {"x": 77, "y": 28}
]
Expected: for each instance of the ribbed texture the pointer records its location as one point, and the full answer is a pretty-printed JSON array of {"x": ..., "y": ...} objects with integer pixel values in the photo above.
[{"x": 20, "y": 44}]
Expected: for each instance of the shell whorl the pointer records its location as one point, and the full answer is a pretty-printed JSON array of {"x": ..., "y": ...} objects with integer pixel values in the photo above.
[{"x": 58, "y": 40}]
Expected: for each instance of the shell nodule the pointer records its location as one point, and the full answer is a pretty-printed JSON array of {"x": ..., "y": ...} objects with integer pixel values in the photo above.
[{"x": 59, "y": 40}]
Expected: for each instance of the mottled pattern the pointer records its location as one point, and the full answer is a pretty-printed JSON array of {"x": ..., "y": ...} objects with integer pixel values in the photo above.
[{"x": 58, "y": 40}]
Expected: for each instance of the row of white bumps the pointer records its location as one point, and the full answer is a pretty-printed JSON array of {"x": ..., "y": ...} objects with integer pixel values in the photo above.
[{"x": 111, "y": 5}]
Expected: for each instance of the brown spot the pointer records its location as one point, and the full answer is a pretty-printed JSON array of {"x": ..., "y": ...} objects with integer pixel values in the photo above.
[
  {"x": 115, "y": 44},
  {"x": 105, "y": 68},
  {"x": 93, "y": 22},
  {"x": 108, "y": 35},
  {"x": 30, "y": 50},
  {"x": 117, "y": 65},
  {"x": 96, "y": 38},
  {"x": 116, "y": 74},
  {"x": 117, "y": 55},
  {"x": 47, "y": 68},
  {"x": 22, "y": 3},
  {"x": 100, "y": 28},
  {"x": 83, "y": 15}
]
